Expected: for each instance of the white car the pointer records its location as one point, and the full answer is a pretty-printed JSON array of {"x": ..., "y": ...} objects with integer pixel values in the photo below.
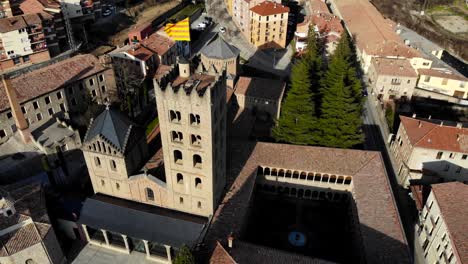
[
  {"x": 222, "y": 30},
  {"x": 201, "y": 26},
  {"x": 107, "y": 12}
]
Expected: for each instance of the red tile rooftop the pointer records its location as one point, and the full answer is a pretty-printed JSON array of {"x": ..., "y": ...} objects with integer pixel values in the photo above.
[
  {"x": 442, "y": 74},
  {"x": 426, "y": 134},
  {"x": 318, "y": 6},
  {"x": 394, "y": 67},
  {"x": 158, "y": 43},
  {"x": 45, "y": 80},
  {"x": 260, "y": 88},
  {"x": 381, "y": 230},
  {"x": 452, "y": 199},
  {"x": 372, "y": 31},
  {"x": 269, "y": 8}
]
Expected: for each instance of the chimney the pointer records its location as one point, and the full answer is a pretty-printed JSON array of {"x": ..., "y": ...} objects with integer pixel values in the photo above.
[
  {"x": 430, "y": 116},
  {"x": 458, "y": 137},
  {"x": 414, "y": 115},
  {"x": 459, "y": 125},
  {"x": 442, "y": 123},
  {"x": 230, "y": 240},
  {"x": 18, "y": 115},
  {"x": 419, "y": 124}
]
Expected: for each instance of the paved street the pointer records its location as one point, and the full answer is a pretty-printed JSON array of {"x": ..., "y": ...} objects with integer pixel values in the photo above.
[
  {"x": 376, "y": 139},
  {"x": 279, "y": 64}
]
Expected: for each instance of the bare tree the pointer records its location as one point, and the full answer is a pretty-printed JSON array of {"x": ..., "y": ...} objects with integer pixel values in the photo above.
[{"x": 129, "y": 81}]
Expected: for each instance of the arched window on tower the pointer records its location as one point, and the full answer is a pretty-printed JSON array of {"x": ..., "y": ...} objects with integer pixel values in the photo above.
[{"x": 149, "y": 194}]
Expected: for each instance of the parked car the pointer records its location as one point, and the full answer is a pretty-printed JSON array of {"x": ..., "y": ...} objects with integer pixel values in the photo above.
[
  {"x": 222, "y": 30},
  {"x": 106, "y": 12},
  {"x": 201, "y": 26}
]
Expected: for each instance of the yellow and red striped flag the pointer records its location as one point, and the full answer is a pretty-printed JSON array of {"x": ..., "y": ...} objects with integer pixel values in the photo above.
[{"x": 179, "y": 31}]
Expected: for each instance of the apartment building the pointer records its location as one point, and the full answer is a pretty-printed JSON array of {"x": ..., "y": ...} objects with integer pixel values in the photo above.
[
  {"x": 430, "y": 151},
  {"x": 392, "y": 79},
  {"x": 241, "y": 14},
  {"x": 375, "y": 36},
  {"x": 326, "y": 25},
  {"x": 269, "y": 24},
  {"x": 23, "y": 40},
  {"x": 441, "y": 227},
  {"x": 443, "y": 81},
  {"x": 57, "y": 33},
  {"x": 55, "y": 91}
]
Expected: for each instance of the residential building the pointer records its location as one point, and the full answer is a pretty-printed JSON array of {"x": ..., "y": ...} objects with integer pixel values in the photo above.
[
  {"x": 326, "y": 25},
  {"x": 429, "y": 151},
  {"x": 241, "y": 14},
  {"x": 81, "y": 10},
  {"x": 58, "y": 34},
  {"x": 181, "y": 183},
  {"x": 260, "y": 95},
  {"x": 419, "y": 42},
  {"x": 269, "y": 24},
  {"x": 392, "y": 79},
  {"x": 221, "y": 56},
  {"x": 375, "y": 36},
  {"x": 147, "y": 53},
  {"x": 23, "y": 40},
  {"x": 444, "y": 82},
  {"x": 26, "y": 231},
  {"x": 129, "y": 55},
  {"x": 54, "y": 91},
  {"x": 441, "y": 229}
]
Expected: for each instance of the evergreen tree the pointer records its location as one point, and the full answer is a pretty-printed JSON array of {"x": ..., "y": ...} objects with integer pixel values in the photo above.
[
  {"x": 341, "y": 100},
  {"x": 184, "y": 256},
  {"x": 297, "y": 121}
]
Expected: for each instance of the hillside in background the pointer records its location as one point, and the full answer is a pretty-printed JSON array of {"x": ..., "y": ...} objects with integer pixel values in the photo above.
[{"x": 445, "y": 22}]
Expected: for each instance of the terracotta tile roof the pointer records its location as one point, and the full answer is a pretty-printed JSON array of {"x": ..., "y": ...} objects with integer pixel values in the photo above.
[
  {"x": 380, "y": 226},
  {"x": 443, "y": 74},
  {"x": 327, "y": 23},
  {"x": 269, "y": 8},
  {"x": 158, "y": 43},
  {"x": 260, "y": 88},
  {"x": 452, "y": 199},
  {"x": 221, "y": 256},
  {"x": 29, "y": 206},
  {"x": 45, "y": 80},
  {"x": 12, "y": 23},
  {"x": 318, "y": 6},
  {"x": 426, "y": 134},
  {"x": 162, "y": 70},
  {"x": 140, "y": 52},
  {"x": 244, "y": 252},
  {"x": 372, "y": 31},
  {"x": 20, "y": 239},
  {"x": 393, "y": 67}
]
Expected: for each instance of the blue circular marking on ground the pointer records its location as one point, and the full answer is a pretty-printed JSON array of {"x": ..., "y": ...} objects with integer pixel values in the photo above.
[{"x": 297, "y": 239}]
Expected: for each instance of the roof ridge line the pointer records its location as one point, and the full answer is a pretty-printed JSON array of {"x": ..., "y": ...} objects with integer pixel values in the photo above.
[
  {"x": 127, "y": 136},
  {"x": 428, "y": 132}
]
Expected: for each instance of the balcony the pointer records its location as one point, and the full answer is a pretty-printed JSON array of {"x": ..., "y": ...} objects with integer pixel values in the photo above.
[
  {"x": 35, "y": 30},
  {"x": 37, "y": 38},
  {"x": 39, "y": 47}
]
